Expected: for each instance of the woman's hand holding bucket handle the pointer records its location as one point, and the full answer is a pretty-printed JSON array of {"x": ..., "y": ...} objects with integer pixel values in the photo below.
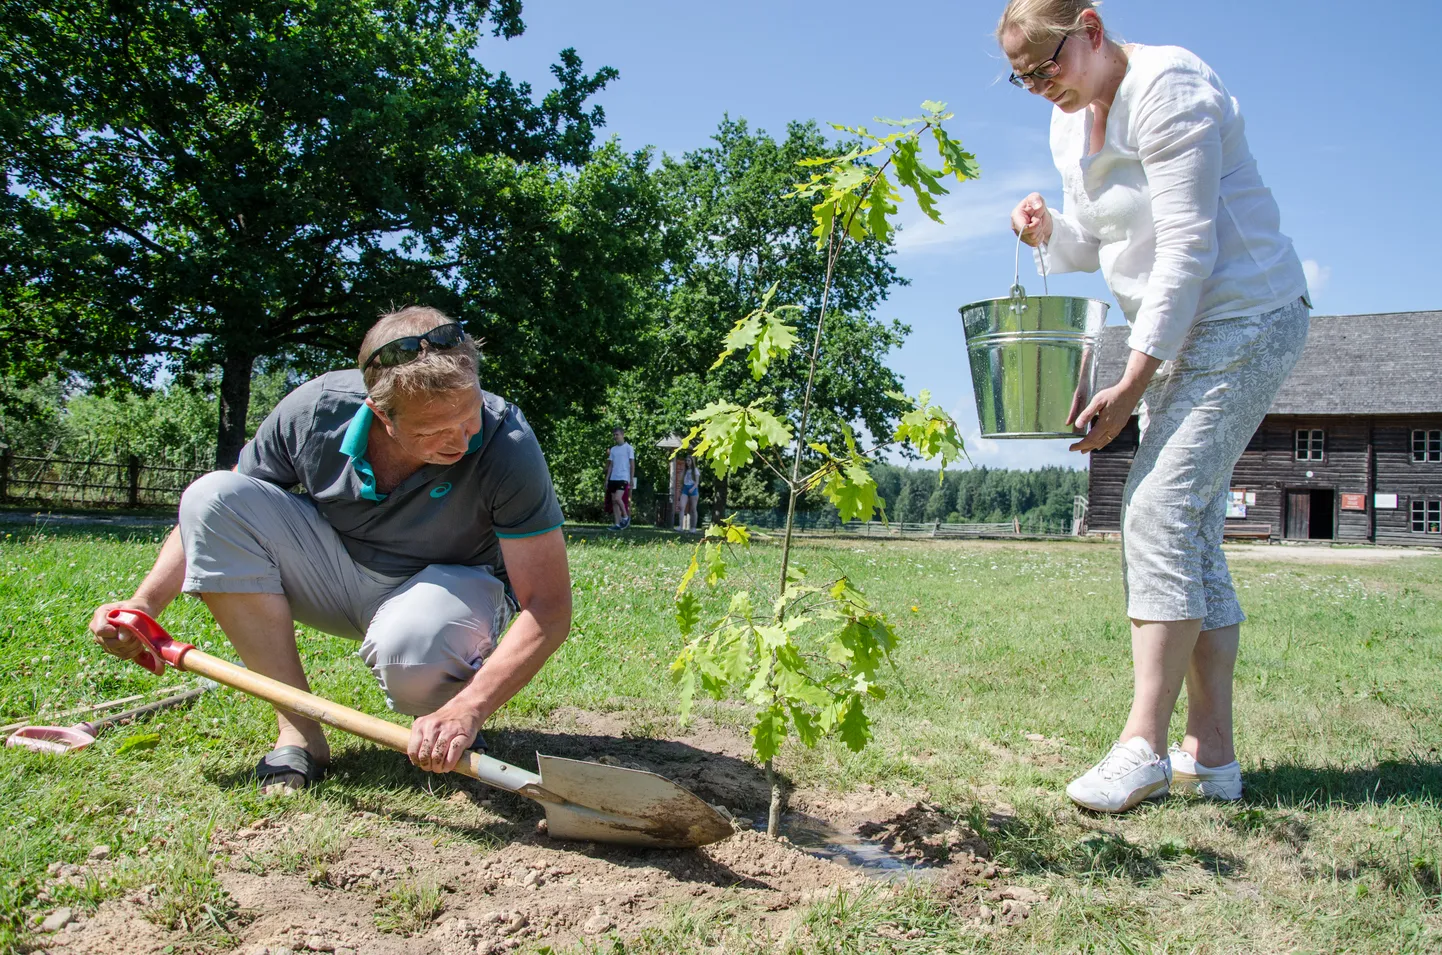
[{"x": 1031, "y": 220}]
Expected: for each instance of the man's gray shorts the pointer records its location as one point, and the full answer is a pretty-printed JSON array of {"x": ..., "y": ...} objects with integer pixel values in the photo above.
[{"x": 423, "y": 636}]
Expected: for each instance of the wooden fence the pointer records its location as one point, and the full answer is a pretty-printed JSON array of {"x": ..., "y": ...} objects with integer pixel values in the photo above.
[
  {"x": 938, "y": 529},
  {"x": 130, "y": 483},
  {"x": 827, "y": 521}
]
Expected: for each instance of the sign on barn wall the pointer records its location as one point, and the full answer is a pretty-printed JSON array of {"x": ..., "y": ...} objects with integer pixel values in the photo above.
[
  {"x": 1354, "y": 502},
  {"x": 1385, "y": 502}
]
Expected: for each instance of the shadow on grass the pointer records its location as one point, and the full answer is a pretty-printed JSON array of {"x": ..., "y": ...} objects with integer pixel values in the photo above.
[
  {"x": 123, "y": 528},
  {"x": 633, "y": 536},
  {"x": 1313, "y": 787},
  {"x": 1035, "y": 845}
]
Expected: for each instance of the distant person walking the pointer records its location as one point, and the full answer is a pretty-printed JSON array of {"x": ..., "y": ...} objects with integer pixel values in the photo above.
[
  {"x": 689, "y": 494},
  {"x": 620, "y": 478},
  {"x": 1162, "y": 194}
]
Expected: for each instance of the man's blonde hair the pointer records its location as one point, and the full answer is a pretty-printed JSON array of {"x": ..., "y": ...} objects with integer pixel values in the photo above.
[
  {"x": 1040, "y": 20},
  {"x": 434, "y": 369}
]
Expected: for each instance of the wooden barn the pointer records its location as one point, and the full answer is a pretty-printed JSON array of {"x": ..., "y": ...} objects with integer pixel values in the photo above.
[{"x": 1351, "y": 450}]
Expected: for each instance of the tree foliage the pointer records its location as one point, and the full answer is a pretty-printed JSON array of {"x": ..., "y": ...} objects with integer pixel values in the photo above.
[
  {"x": 208, "y": 185},
  {"x": 170, "y": 425},
  {"x": 731, "y": 233}
]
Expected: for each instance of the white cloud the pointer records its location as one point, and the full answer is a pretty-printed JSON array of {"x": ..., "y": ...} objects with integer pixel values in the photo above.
[
  {"x": 974, "y": 210},
  {"x": 1317, "y": 275}
]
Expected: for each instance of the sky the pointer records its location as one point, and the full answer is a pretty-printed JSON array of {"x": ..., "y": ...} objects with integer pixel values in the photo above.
[{"x": 1341, "y": 111}]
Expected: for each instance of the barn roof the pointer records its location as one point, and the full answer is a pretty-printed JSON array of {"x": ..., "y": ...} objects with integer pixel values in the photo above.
[{"x": 1353, "y": 365}]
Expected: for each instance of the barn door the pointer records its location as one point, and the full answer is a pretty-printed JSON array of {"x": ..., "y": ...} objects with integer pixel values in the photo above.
[
  {"x": 1299, "y": 515},
  {"x": 1320, "y": 525}
]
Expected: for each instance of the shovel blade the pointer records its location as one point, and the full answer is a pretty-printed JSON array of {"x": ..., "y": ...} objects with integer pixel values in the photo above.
[
  {"x": 599, "y": 803},
  {"x": 50, "y": 739}
]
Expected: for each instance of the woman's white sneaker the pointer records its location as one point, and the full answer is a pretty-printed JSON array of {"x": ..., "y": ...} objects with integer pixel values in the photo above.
[
  {"x": 1129, "y": 774},
  {"x": 1209, "y": 782}
]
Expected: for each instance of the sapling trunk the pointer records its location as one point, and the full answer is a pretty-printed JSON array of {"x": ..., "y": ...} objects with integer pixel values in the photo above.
[
  {"x": 793, "y": 484},
  {"x": 773, "y": 816},
  {"x": 851, "y": 196},
  {"x": 833, "y": 252}
]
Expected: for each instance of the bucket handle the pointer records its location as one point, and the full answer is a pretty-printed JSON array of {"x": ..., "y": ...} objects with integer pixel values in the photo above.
[{"x": 1016, "y": 275}]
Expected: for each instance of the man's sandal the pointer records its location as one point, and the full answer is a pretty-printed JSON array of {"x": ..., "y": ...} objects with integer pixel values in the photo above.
[{"x": 290, "y": 766}]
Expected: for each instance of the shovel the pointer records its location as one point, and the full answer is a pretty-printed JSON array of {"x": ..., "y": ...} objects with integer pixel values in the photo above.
[
  {"x": 583, "y": 801},
  {"x": 67, "y": 739}
]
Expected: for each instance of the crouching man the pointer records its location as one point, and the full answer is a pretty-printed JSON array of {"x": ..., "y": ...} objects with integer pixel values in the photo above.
[{"x": 400, "y": 505}]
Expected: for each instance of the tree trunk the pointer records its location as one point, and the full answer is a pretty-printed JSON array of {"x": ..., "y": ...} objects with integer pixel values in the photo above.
[
  {"x": 235, "y": 373},
  {"x": 778, "y": 794},
  {"x": 718, "y": 503}
]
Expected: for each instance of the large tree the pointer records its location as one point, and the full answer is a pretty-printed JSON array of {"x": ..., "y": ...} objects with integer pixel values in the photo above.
[
  {"x": 206, "y": 184},
  {"x": 731, "y": 233}
]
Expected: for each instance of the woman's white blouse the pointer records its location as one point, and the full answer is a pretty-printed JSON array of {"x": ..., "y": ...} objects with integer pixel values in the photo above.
[{"x": 1172, "y": 209}]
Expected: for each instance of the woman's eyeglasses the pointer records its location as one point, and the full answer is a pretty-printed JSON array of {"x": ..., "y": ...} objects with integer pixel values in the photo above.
[
  {"x": 408, "y": 349},
  {"x": 1046, "y": 70}
]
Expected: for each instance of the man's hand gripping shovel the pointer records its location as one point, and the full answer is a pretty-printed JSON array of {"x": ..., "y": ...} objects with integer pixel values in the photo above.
[{"x": 583, "y": 801}]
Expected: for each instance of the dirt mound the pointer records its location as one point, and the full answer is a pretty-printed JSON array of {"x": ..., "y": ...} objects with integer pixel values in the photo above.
[
  {"x": 927, "y": 835},
  {"x": 849, "y": 810}
]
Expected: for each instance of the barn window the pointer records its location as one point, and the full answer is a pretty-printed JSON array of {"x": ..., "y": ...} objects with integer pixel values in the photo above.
[
  {"x": 1309, "y": 444},
  {"x": 1427, "y": 517},
  {"x": 1427, "y": 446}
]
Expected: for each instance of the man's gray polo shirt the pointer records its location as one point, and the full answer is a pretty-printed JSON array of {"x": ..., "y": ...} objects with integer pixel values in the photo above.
[{"x": 443, "y": 514}]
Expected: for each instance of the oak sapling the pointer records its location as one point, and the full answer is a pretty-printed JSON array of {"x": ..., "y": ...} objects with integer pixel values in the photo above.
[{"x": 807, "y": 656}]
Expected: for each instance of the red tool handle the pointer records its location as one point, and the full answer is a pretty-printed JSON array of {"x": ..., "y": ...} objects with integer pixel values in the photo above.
[{"x": 159, "y": 647}]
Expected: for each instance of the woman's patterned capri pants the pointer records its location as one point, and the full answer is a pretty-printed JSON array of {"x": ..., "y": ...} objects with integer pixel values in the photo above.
[{"x": 1197, "y": 417}]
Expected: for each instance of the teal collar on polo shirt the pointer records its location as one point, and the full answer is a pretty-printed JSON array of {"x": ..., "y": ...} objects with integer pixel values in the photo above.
[{"x": 357, "y": 439}]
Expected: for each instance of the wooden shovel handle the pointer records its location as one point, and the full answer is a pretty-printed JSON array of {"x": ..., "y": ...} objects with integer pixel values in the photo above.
[
  {"x": 161, "y": 648},
  {"x": 478, "y": 766},
  {"x": 296, "y": 701}
]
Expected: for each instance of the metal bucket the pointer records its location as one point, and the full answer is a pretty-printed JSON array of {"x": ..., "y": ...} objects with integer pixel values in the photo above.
[{"x": 1033, "y": 361}]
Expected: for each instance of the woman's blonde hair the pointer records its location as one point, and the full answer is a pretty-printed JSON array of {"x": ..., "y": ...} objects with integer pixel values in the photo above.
[
  {"x": 434, "y": 370},
  {"x": 1040, "y": 20}
]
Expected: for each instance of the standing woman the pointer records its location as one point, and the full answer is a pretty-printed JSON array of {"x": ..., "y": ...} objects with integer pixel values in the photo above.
[
  {"x": 1161, "y": 193},
  {"x": 689, "y": 494}
]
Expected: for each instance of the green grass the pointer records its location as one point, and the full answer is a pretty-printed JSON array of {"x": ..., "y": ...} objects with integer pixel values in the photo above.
[
  {"x": 409, "y": 908},
  {"x": 1336, "y": 847}
]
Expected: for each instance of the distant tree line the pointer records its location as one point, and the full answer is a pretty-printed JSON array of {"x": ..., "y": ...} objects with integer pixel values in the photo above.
[{"x": 980, "y": 495}]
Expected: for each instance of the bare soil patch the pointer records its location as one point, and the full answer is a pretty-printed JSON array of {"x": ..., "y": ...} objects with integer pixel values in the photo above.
[{"x": 299, "y": 886}]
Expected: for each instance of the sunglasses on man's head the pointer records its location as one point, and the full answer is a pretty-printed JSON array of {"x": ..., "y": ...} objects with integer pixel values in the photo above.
[{"x": 408, "y": 349}]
